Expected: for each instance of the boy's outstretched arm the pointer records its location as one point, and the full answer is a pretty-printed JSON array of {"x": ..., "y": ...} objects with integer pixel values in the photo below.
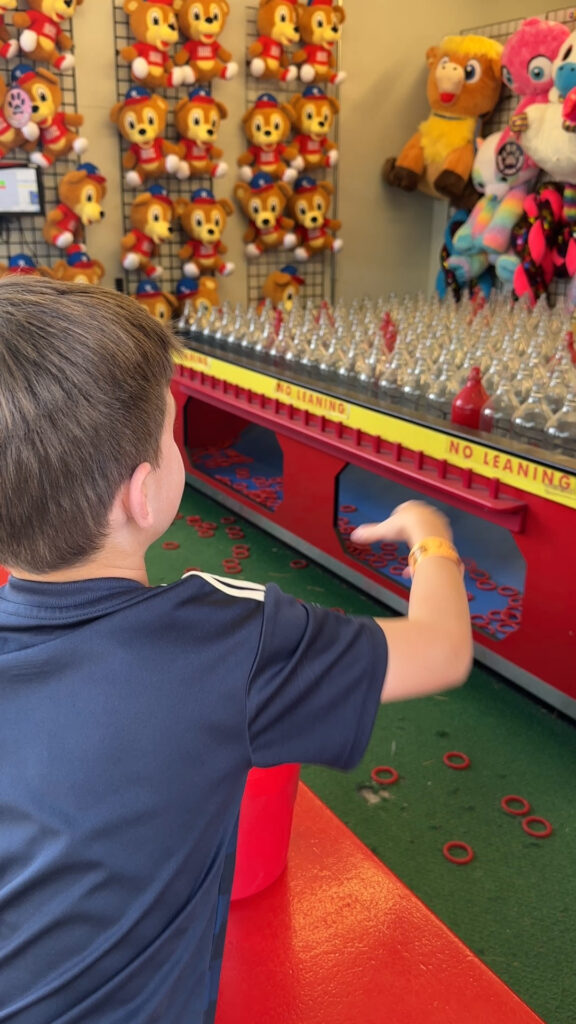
[{"x": 431, "y": 648}]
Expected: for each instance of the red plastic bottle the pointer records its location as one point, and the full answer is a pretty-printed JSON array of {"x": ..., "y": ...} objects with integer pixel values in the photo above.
[{"x": 467, "y": 405}]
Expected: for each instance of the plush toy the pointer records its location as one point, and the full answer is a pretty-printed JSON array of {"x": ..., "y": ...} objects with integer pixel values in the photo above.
[
  {"x": 313, "y": 115},
  {"x": 198, "y": 121},
  {"x": 24, "y": 266},
  {"x": 277, "y": 25},
  {"x": 81, "y": 193},
  {"x": 16, "y": 130},
  {"x": 320, "y": 23},
  {"x": 308, "y": 206},
  {"x": 263, "y": 201},
  {"x": 534, "y": 259},
  {"x": 141, "y": 120},
  {"x": 200, "y": 292},
  {"x": 151, "y": 216},
  {"x": 42, "y": 32},
  {"x": 267, "y": 125},
  {"x": 281, "y": 288},
  {"x": 58, "y": 134},
  {"x": 202, "y": 21},
  {"x": 161, "y": 305},
  {"x": 154, "y": 25},
  {"x": 78, "y": 267},
  {"x": 452, "y": 281},
  {"x": 9, "y": 47},
  {"x": 463, "y": 85},
  {"x": 203, "y": 219},
  {"x": 527, "y": 60}
]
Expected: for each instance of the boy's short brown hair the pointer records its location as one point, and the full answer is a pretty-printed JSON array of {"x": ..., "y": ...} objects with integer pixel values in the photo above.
[{"x": 83, "y": 382}]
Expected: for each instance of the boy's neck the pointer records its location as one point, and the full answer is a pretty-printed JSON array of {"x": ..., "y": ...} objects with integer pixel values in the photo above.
[{"x": 91, "y": 570}]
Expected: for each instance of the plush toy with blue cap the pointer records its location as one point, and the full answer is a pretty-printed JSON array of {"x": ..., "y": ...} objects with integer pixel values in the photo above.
[
  {"x": 152, "y": 215},
  {"x": 267, "y": 125},
  {"x": 78, "y": 267},
  {"x": 277, "y": 25},
  {"x": 313, "y": 116},
  {"x": 198, "y": 122},
  {"x": 263, "y": 202},
  {"x": 281, "y": 288},
  {"x": 320, "y": 23},
  {"x": 42, "y": 37},
  {"x": 58, "y": 135},
  {"x": 200, "y": 293},
  {"x": 154, "y": 25},
  {"x": 24, "y": 266},
  {"x": 201, "y": 22},
  {"x": 141, "y": 120},
  {"x": 81, "y": 193},
  {"x": 314, "y": 229},
  {"x": 203, "y": 219},
  {"x": 161, "y": 305}
]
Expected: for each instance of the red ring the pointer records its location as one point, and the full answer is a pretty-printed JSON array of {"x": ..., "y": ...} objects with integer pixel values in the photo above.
[
  {"x": 228, "y": 519},
  {"x": 465, "y": 763},
  {"x": 298, "y": 563},
  {"x": 515, "y": 602},
  {"x": 478, "y": 574},
  {"x": 542, "y": 821},
  {"x": 193, "y": 520},
  {"x": 518, "y": 810},
  {"x": 512, "y": 615},
  {"x": 170, "y": 545},
  {"x": 397, "y": 570},
  {"x": 486, "y": 585},
  {"x": 375, "y": 775},
  {"x": 479, "y": 621},
  {"x": 179, "y": 516},
  {"x": 458, "y": 846},
  {"x": 348, "y": 508},
  {"x": 508, "y": 591},
  {"x": 506, "y": 626}
]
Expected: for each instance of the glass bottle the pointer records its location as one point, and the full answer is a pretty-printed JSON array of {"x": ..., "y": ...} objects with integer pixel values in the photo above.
[
  {"x": 496, "y": 415},
  {"x": 530, "y": 420},
  {"x": 561, "y": 429}
]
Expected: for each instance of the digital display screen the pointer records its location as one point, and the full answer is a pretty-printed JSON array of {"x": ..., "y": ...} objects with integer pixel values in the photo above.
[{"x": 20, "y": 191}]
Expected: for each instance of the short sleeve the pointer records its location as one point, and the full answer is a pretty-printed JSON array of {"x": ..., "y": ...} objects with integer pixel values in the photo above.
[{"x": 315, "y": 686}]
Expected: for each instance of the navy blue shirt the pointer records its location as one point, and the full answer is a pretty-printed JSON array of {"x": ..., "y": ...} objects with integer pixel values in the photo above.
[{"x": 129, "y": 718}]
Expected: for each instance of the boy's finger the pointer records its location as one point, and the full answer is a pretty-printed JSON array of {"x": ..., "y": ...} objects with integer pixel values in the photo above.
[{"x": 368, "y": 533}]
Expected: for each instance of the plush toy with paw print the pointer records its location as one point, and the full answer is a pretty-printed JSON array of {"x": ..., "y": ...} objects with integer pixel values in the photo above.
[
  {"x": 154, "y": 26},
  {"x": 42, "y": 37},
  {"x": 267, "y": 125},
  {"x": 263, "y": 202},
  {"x": 277, "y": 25},
  {"x": 141, "y": 120},
  {"x": 198, "y": 121},
  {"x": 308, "y": 206},
  {"x": 16, "y": 131},
  {"x": 201, "y": 22},
  {"x": 320, "y": 23},
  {"x": 58, "y": 134},
  {"x": 464, "y": 84}
]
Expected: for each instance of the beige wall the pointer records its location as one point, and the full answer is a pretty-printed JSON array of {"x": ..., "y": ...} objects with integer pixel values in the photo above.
[{"x": 389, "y": 236}]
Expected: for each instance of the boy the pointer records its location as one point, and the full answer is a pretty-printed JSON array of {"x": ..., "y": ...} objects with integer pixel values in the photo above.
[{"x": 129, "y": 714}]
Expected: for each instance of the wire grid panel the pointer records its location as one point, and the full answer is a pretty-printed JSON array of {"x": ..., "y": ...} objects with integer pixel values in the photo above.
[
  {"x": 168, "y": 256},
  {"x": 319, "y": 272},
  {"x": 24, "y": 233}
]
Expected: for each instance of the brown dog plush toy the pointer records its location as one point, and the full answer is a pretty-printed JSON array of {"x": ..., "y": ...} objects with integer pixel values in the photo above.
[
  {"x": 151, "y": 217},
  {"x": 202, "y": 21},
  {"x": 81, "y": 193},
  {"x": 203, "y": 218},
  {"x": 464, "y": 81},
  {"x": 263, "y": 201},
  {"x": 308, "y": 206},
  {"x": 161, "y": 305},
  {"x": 281, "y": 288},
  {"x": 198, "y": 121},
  {"x": 313, "y": 114},
  {"x": 18, "y": 132},
  {"x": 78, "y": 268},
  {"x": 154, "y": 25},
  {"x": 8, "y": 46},
  {"x": 277, "y": 25},
  {"x": 57, "y": 128},
  {"x": 320, "y": 25},
  {"x": 200, "y": 292},
  {"x": 141, "y": 120},
  {"x": 24, "y": 266},
  {"x": 267, "y": 125},
  {"x": 43, "y": 33}
]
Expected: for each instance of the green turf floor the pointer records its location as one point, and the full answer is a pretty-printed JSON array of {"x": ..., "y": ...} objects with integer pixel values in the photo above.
[{"x": 515, "y": 904}]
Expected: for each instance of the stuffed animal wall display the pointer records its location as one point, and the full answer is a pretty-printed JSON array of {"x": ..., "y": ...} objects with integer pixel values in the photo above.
[
  {"x": 320, "y": 23},
  {"x": 263, "y": 202},
  {"x": 277, "y": 25},
  {"x": 42, "y": 37},
  {"x": 151, "y": 216},
  {"x": 8, "y": 46},
  {"x": 198, "y": 121},
  {"x": 161, "y": 305},
  {"x": 78, "y": 267},
  {"x": 464, "y": 84},
  {"x": 141, "y": 120},
  {"x": 201, "y": 22},
  {"x": 11, "y": 136},
  {"x": 308, "y": 206},
  {"x": 24, "y": 266},
  {"x": 81, "y": 193},
  {"x": 203, "y": 219},
  {"x": 154, "y": 25},
  {"x": 267, "y": 125},
  {"x": 58, "y": 135},
  {"x": 313, "y": 114},
  {"x": 281, "y": 288},
  {"x": 200, "y": 292}
]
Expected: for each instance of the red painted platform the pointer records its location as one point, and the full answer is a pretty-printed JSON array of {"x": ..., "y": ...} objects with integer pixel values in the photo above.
[{"x": 338, "y": 939}]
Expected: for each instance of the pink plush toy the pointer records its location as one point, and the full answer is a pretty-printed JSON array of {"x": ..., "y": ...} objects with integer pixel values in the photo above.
[{"x": 527, "y": 61}]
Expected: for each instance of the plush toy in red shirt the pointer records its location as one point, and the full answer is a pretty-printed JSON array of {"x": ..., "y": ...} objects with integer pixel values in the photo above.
[
  {"x": 198, "y": 121},
  {"x": 320, "y": 24},
  {"x": 151, "y": 217},
  {"x": 141, "y": 120},
  {"x": 42, "y": 37},
  {"x": 8, "y": 45},
  {"x": 203, "y": 219},
  {"x": 263, "y": 202},
  {"x": 58, "y": 128},
  {"x": 277, "y": 25},
  {"x": 314, "y": 230},
  {"x": 267, "y": 125},
  {"x": 154, "y": 26},
  {"x": 81, "y": 193},
  {"x": 202, "y": 21},
  {"x": 313, "y": 115}
]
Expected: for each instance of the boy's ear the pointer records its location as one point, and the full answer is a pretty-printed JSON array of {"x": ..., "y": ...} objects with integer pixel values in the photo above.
[{"x": 136, "y": 503}]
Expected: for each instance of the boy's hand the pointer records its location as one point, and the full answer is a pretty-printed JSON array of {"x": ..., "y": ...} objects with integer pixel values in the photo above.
[{"x": 411, "y": 522}]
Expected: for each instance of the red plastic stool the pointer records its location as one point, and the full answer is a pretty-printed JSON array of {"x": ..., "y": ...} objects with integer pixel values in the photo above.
[{"x": 264, "y": 828}]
